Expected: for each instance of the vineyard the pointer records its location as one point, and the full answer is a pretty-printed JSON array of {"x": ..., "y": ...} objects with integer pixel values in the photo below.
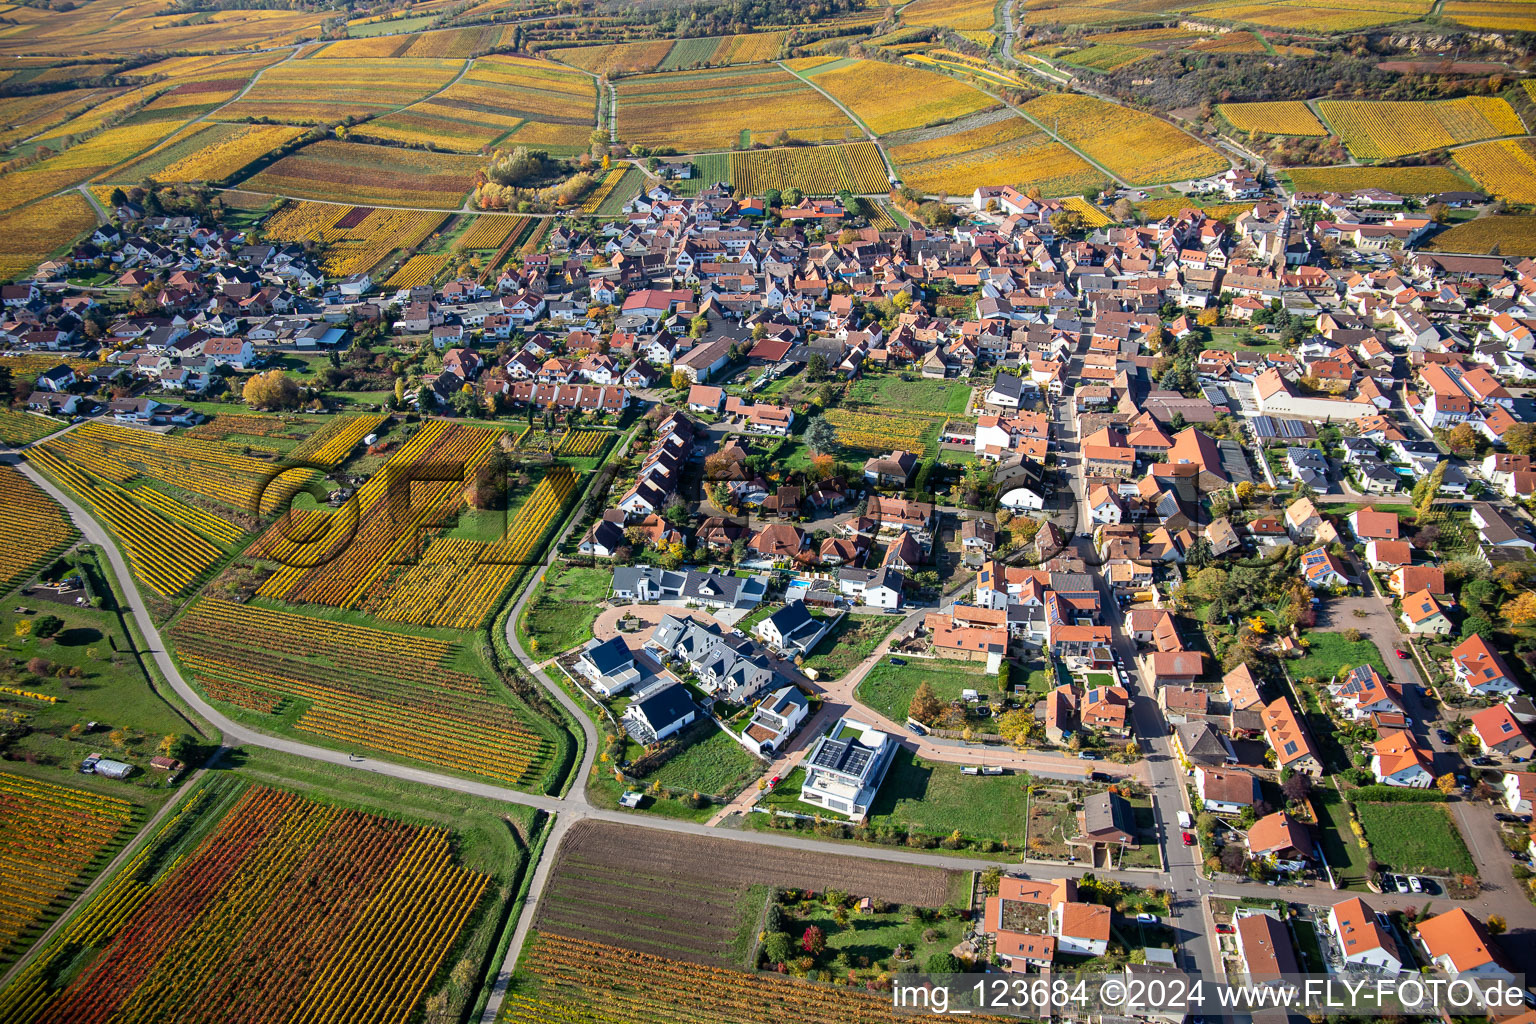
[
  {"x": 1408, "y": 181},
  {"x": 612, "y": 57},
  {"x": 1010, "y": 151},
  {"x": 1506, "y": 169},
  {"x": 350, "y": 171},
  {"x": 498, "y": 96},
  {"x": 1379, "y": 130},
  {"x": 679, "y": 896},
  {"x": 571, "y": 980},
  {"x": 1283, "y": 117},
  {"x": 893, "y": 97},
  {"x": 19, "y": 428},
  {"x": 1092, "y": 215},
  {"x": 209, "y": 469},
  {"x": 50, "y": 840},
  {"x": 166, "y": 553},
  {"x": 289, "y": 910},
  {"x": 210, "y": 152},
  {"x": 357, "y": 238},
  {"x": 459, "y": 583},
  {"x": 583, "y": 442},
  {"x": 320, "y": 90},
  {"x": 815, "y": 170},
  {"x": 599, "y": 195},
  {"x": 880, "y": 432},
  {"x": 694, "y": 110},
  {"x": 331, "y": 444},
  {"x": 1514, "y": 236},
  {"x": 339, "y": 559},
  {"x": 422, "y": 268},
  {"x": 715, "y": 50},
  {"x": 1142, "y": 149},
  {"x": 30, "y": 235},
  {"x": 362, "y": 687}
]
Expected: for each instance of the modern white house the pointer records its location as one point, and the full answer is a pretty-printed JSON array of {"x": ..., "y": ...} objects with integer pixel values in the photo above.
[
  {"x": 792, "y": 629},
  {"x": 874, "y": 588},
  {"x": 774, "y": 721},
  {"x": 608, "y": 666},
  {"x": 844, "y": 770},
  {"x": 659, "y": 714}
]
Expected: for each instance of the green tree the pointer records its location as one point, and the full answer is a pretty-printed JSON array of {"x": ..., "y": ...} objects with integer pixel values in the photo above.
[
  {"x": 778, "y": 947},
  {"x": 820, "y": 435},
  {"x": 47, "y": 625},
  {"x": 1427, "y": 489},
  {"x": 944, "y": 963}
]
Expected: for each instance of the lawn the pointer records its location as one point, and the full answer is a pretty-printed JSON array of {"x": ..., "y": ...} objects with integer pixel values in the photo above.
[
  {"x": 936, "y": 799},
  {"x": 849, "y": 643},
  {"x": 889, "y": 688},
  {"x": 713, "y": 764},
  {"x": 1415, "y": 837},
  {"x": 1311, "y": 950},
  {"x": 1348, "y": 860},
  {"x": 1234, "y": 339},
  {"x": 869, "y": 940},
  {"x": 911, "y": 393},
  {"x": 1329, "y": 652},
  {"x": 560, "y": 616},
  {"x": 111, "y": 688}
]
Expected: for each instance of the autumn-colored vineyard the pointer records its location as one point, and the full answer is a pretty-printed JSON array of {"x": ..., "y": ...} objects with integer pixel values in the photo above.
[
  {"x": 290, "y": 910},
  {"x": 876, "y": 433},
  {"x": 213, "y": 470},
  {"x": 582, "y": 442},
  {"x": 458, "y": 583},
  {"x": 49, "y": 838},
  {"x": 577, "y": 982},
  {"x": 389, "y": 691},
  {"x": 167, "y": 555},
  {"x": 32, "y": 527},
  {"x": 331, "y": 444},
  {"x": 333, "y": 559}
]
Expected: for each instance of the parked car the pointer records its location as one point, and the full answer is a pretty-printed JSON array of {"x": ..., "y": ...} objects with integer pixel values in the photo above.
[
  {"x": 774, "y": 781},
  {"x": 1404, "y": 655},
  {"x": 1146, "y": 918},
  {"x": 1084, "y": 755},
  {"x": 898, "y": 661},
  {"x": 1188, "y": 837},
  {"x": 1387, "y": 884},
  {"x": 1484, "y": 761},
  {"x": 1444, "y": 737},
  {"x": 1501, "y": 816},
  {"x": 1402, "y": 882},
  {"x": 1415, "y": 883},
  {"x": 1224, "y": 929}
]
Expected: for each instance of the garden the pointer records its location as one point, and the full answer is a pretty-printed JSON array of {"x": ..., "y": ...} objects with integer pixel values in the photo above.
[
  {"x": 848, "y": 643},
  {"x": 889, "y": 688},
  {"x": 1415, "y": 837},
  {"x": 561, "y": 614}
]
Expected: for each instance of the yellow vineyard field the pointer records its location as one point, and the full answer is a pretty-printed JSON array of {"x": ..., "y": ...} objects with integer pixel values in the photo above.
[
  {"x": 1506, "y": 169},
  {"x": 1142, "y": 149},
  {"x": 816, "y": 170},
  {"x": 1379, "y": 130},
  {"x": 1408, "y": 181},
  {"x": 1284, "y": 117},
  {"x": 893, "y": 97},
  {"x": 33, "y": 233},
  {"x": 1010, "y": 152},
  {"x": 695, "y": 110}
]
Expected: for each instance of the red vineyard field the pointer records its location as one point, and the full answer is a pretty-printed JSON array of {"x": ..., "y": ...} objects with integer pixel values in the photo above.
[{"x": 290, "y": 910}]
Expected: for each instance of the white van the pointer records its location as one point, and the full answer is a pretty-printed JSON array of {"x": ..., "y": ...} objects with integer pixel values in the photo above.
[{"x": 1184, "y": 820}]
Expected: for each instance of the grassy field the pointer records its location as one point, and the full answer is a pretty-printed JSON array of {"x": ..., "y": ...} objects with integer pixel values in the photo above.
[
  {"x": 889, "y": 688},
  {"x": 876, "y": 936},
  {"x": 1415, "y": 837},
  {"x": 936, "y": 799},
  {"x": 849, "y": 643},
  {"x": 111, "y": 689},
  {"x": 714, "y": 764},
  {"x": 1330, "y": 652},
  {"x": 1344, "y": 854},
  {"x": 1235, "y": 339},
  {"x": 905, "y": 391},
  {"x": 561, "y": 614}
]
